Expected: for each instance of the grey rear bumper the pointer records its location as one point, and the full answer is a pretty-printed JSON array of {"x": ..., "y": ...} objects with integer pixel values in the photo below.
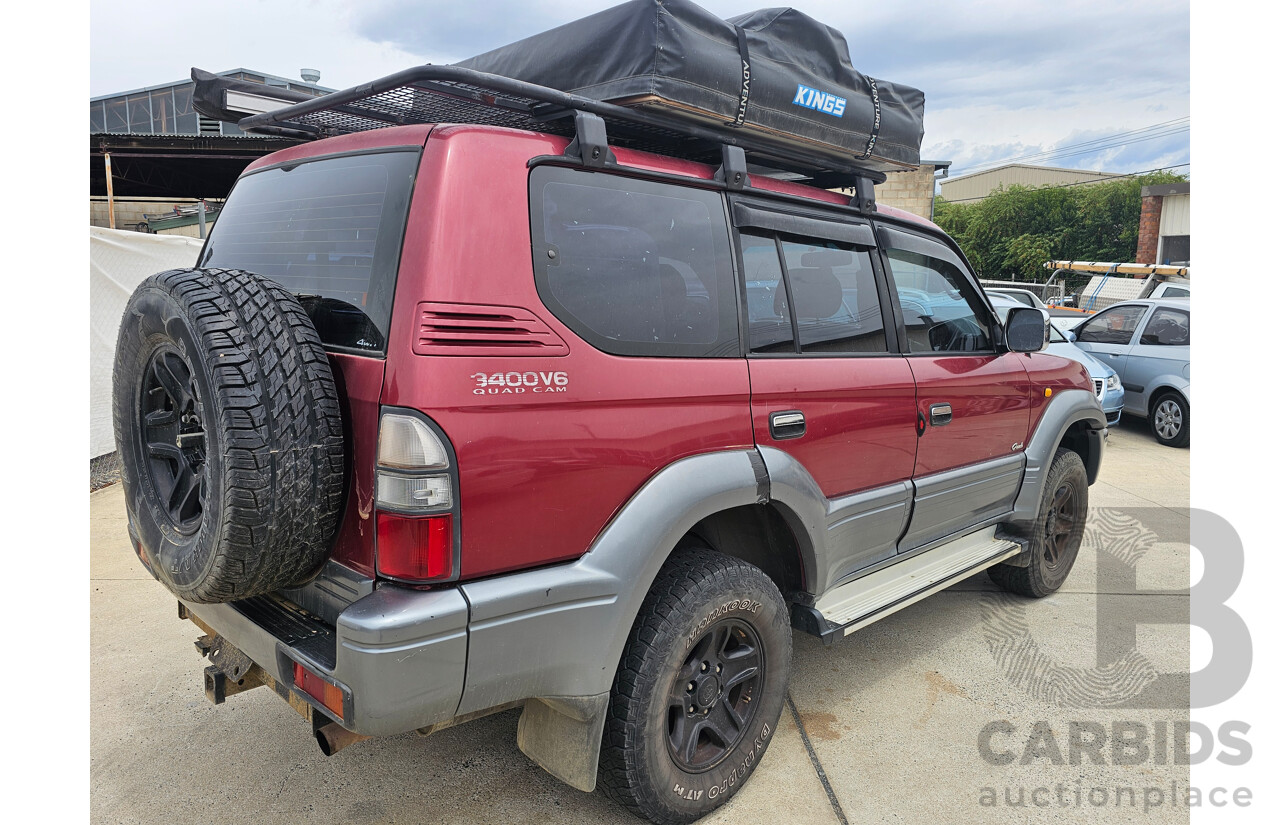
[{"x": 399, "y": 654}]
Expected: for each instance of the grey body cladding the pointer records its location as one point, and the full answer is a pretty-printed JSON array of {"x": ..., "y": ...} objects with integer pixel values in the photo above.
[{"x": 416, "y": 658}]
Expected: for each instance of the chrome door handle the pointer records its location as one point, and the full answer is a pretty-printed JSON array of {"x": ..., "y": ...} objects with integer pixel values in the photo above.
[
  {"x": 787, "y": 424},
  {"x": 939, "y": 414}
]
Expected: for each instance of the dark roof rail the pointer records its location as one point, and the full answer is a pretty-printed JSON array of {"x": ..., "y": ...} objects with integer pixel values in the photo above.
[{"x": 453, "y": 94}]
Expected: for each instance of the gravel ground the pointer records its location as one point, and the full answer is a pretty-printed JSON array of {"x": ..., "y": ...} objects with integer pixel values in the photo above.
[{"x": 104, "y": 471}]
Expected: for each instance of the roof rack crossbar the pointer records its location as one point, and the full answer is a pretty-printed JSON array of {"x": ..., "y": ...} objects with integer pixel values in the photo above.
[{"x": 454, "y": 94}]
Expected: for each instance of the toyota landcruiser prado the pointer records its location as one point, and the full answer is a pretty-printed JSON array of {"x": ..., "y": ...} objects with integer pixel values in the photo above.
[{"x": 453, "y": 419}]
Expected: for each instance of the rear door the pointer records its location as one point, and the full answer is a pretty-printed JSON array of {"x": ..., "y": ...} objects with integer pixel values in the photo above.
[
  {"x": 1163, "y": 348},
  {"x": 972, "y": 398},
  {"x": 828, "y": 387}
]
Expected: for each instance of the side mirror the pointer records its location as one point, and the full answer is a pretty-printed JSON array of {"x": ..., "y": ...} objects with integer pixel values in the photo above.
[
  {"x": 1071, "y": 335},
  {"x": 1026, "y": 329}
]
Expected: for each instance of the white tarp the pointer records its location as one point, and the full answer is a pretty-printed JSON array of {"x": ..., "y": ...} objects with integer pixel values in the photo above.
[{"x": 118, "y": 262}]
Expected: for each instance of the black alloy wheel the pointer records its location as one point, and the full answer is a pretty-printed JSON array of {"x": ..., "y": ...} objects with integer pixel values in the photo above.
[
  {"x": 1054, "y": 537},
  {"x": 710, "y": 697},
  {"x": 1060, "y": 526},
  {"x": 174, "y": 439}
]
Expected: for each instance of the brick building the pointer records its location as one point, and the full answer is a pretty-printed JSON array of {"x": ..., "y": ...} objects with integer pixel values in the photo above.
[{"x": 1164, "y": 228}]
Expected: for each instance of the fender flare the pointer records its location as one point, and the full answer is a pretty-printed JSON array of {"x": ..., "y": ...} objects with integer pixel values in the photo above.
[
  {"x": 1066, "y": 409},
  {"x": 554, "y": 636}
]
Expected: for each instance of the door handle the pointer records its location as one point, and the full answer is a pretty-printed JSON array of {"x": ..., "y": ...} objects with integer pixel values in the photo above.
[
  {"x": 939, "y": 414},
  {"x": 786, "y": 424}
]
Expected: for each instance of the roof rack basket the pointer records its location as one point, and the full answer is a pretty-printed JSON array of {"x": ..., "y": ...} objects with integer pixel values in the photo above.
[{"x": 453, "y": 94}]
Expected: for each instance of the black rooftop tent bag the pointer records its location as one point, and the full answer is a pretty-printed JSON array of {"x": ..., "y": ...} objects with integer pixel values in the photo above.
[{"x": 774, "y": 71}]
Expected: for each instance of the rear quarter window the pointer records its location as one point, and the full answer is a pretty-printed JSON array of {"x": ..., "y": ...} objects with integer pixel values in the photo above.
[
  {"x": 328, "y": 230},
  {"x": 634, "y": 267}
]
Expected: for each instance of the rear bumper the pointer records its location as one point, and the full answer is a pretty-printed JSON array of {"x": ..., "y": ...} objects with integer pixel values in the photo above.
[{"x": 399, "y": 655}]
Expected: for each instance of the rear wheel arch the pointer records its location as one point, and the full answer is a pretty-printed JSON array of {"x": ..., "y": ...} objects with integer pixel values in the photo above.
[{"x": 757, "y": 534}]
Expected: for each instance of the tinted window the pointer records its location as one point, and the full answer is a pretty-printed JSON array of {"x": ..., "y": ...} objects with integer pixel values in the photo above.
[
  {"x": 330, "y": 231},
  {"x": 940, "y": 309},
  {"x": 1111, "y": 326},
  {"x": 634, "y": 267},
  {"x": 767, "y": 305},
  {"x": 1177, "y": 292},
  {"x": 1167, "y": 328},
  {"x": 833, "y": 289}
]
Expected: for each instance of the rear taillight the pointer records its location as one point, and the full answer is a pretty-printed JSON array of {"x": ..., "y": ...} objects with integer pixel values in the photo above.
[
  {"x": 416, "y": 499},
  {"x": 419, "y": 549}
]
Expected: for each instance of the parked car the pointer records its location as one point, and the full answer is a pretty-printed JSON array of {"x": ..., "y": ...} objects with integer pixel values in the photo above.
[
  {"x": 1106, "y": 381},
  {"x": 452, "y": 419},
  {"x": 1062, "y": 318},
  {"x": 1148, "y": 342}
]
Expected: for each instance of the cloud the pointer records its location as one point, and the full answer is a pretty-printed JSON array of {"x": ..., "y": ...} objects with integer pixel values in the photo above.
[{"x": 999, "y": 76}]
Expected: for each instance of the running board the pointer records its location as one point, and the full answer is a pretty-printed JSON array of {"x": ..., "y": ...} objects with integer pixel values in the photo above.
[{"x": 862, "y": 601}]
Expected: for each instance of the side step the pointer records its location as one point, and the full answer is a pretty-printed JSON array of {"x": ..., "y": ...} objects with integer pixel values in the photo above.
[{"x": 862, "y": 601}]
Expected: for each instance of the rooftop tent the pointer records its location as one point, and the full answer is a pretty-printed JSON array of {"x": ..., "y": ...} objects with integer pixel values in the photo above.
[{"x": 774, "y": 71}]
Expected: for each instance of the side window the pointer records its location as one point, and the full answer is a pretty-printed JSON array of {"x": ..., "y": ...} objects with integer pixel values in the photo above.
[
  {"x": 833, "y": 290},
  {"x": 768, "y": 309},
  {"x": 1176, "y": 292},
  {"x": 634, "y": 267},
  {"x": 1112, "y": 326},
  {"x": 1167, "y": 328},
  {"x": 941, "y": 311}
]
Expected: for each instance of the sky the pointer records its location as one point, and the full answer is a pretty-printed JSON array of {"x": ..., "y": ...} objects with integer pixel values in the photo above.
[{"x": 1081, "y": 84}]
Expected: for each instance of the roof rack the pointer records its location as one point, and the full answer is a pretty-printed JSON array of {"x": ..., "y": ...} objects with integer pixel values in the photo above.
[{"x": 453, "y": 94}]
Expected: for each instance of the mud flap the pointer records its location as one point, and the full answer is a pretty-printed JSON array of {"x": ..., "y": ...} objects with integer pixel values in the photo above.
[{"x": 562, "y": 734}]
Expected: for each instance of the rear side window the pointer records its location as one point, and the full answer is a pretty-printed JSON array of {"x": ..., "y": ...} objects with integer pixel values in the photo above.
[
  {"x": 634, "y": 267},
  {"x": 1167, "y": 328},
  {"x": 330, "y": 231},
  {"x": 833, "y": 289}
]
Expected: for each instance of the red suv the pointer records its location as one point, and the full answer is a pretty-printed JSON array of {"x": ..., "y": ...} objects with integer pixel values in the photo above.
[{"x": 452, "y": 419}]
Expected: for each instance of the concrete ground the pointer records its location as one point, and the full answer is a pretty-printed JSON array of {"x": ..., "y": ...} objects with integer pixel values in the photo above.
[{"x": 891, "y": 719}]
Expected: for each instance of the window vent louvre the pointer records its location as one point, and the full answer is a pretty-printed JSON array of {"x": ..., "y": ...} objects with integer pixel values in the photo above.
[{"x": 470, "y": 329}]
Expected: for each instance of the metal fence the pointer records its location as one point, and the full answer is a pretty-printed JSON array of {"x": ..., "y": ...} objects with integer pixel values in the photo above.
[{"x": 1044, "y": 291}]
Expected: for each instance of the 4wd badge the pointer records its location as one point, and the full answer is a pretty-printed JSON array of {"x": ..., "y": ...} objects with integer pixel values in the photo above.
[{"x": 515, "y": 383}]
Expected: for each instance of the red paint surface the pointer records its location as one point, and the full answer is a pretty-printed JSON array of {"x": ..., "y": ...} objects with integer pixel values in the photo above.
[
  {"x": 860, "y": 417},
  {"x": 990, "y": 408},
  {"x": 541, "y": 473},
  {"x": 359, "y": 387},
  {"x": 1054, "y": 373}
]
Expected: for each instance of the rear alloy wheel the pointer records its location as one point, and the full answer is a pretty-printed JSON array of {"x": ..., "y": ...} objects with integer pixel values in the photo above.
[
  {"x": 1171, "y": 420},
  {"x": 700, "y": 689},
  {"x": 174, "y": 439}
]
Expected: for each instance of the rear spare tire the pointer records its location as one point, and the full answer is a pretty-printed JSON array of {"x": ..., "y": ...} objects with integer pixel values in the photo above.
[{"x": 229, "y": 433}]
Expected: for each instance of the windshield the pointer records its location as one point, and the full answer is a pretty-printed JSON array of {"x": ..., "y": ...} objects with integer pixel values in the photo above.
[{"x": 328, "y": 230}]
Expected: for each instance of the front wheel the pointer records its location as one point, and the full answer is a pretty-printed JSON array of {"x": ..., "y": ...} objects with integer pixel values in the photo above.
[
  {"x": 700, "y": 688},
  {"x": 1171, "y": 420},
  {"x": 1056, "y": 534}
]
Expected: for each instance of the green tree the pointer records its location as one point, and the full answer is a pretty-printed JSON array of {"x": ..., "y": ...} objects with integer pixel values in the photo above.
[{"x": 1009, "y": 234}]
